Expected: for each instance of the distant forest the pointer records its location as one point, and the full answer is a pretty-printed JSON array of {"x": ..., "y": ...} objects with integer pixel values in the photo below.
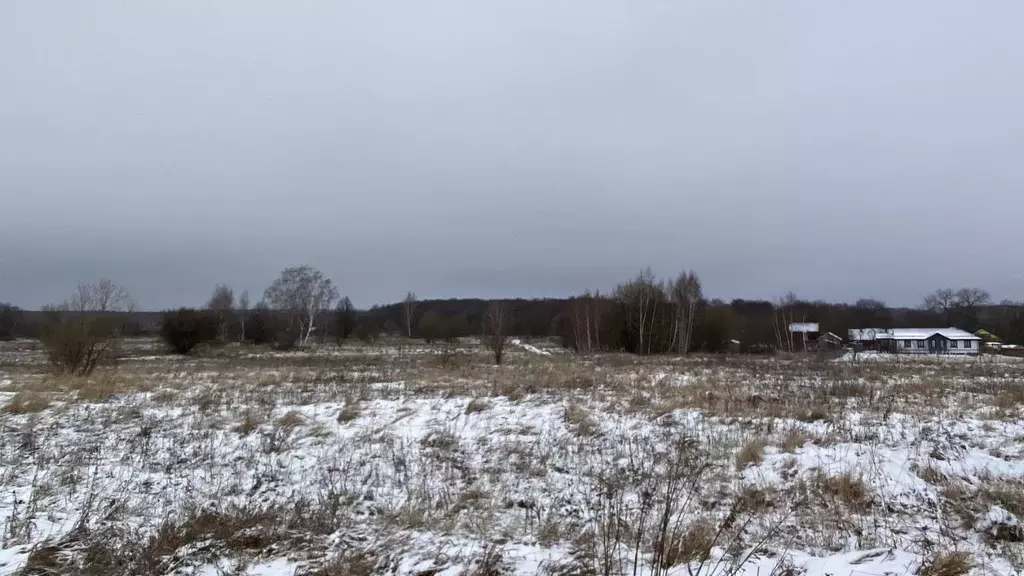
[{"x": 642, "y": 315}]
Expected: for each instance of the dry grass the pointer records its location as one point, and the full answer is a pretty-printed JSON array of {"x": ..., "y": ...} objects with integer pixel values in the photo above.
[
  {"x": 27, "y": 402},
  {"x": 250, "y": 422},
  {"x": 579, "y": 419},
  {"x": 793, "y": 441},
  {"x": 846, "y": 488},
  {"x": 948, "y": 564},
  {"x": 291, "y": 420},
  {"x": 351, "y": 411},
  {"x": 352, "y": 564},
  {"x": 691, "y": 546},
  {"x": 477, "y": 405},
  {"x": 931, "y": 475},
  {"x": 752, "y": 453}
]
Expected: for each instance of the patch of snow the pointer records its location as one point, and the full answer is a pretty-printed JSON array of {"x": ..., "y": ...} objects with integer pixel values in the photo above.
[{"x": 529, "y": 347}]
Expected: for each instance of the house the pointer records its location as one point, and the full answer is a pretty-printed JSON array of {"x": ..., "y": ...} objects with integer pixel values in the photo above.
[
  {"x": 829, "y": 341},
  {"x": 918, "y": 340},
  {"x": 803, "y": 333}
]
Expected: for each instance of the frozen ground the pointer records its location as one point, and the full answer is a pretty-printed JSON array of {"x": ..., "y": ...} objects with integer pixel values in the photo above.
[{"x": 415, "y": 460}]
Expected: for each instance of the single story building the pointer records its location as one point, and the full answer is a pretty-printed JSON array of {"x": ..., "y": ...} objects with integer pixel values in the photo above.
[
  {"x": 917, "y": 340},
  {"x": 829, "y": 341}
]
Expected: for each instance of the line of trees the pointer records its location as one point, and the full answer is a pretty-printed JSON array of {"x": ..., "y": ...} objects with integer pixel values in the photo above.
[{"x": 642, "y": 315}]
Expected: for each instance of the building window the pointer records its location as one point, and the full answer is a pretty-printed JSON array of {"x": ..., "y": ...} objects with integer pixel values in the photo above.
[
  {"x": 920, "y": 343},
  {"x": 908, "y": 343},
  {"x": 967, "y": 343},
  {"x": 952, "y": 343}
]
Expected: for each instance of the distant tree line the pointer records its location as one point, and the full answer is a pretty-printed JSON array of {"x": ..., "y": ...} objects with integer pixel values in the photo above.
[{"x": 642, "y": 315}]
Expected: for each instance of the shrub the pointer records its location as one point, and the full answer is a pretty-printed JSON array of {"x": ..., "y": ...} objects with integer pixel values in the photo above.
[
  {"x": 10, "y": 318},
  {"x": 953, "y": 564},
  {"x": 261, "y": 327},
  {"x": 751, "y": 453},
  {"x": 81, "y": 332},
  {"x": 287, "y": 340},
  {"x": 77, "y": 342},
  {"x": 185, "y": 329}
]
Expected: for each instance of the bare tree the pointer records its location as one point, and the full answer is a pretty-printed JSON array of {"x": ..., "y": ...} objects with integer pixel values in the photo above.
[
  {"x": 303, "y": 291},
  {"x": 496, "y": 326},
  {"x": 972, "y": 298},
  {"x": 968, "y": 301},
  {"x": 942, "y": 301},
  {"x": 585, "y": 321},
  {"x": 222, "y": 303},
  {"x": 409, "y": 305},
  {"x": 639, "y": 298},
  {"x": 243, "y": 311},
  {"x": 686, "y": 295},
  {"x": 81, "y": 331},
  {"x": 102, "y": 296},
  {"x": 782, "y": 320}
]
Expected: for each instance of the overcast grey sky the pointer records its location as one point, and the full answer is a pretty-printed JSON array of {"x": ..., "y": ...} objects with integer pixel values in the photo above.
[{"x": 511, "y": 148}]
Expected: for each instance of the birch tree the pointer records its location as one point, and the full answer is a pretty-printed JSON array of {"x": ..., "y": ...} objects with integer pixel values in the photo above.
[
  {"x": 304, "y": 292},
  {"x": 639, "y": 298},
  {"x": 686, "y": 294},
  {"x": 409, "y": 306},
  {"x": 243, "y": 311},
  {"x": 222, "y": 303}
]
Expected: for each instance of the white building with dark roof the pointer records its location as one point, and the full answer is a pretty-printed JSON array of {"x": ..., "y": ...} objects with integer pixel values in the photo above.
[{"x": 918, "y": 340}]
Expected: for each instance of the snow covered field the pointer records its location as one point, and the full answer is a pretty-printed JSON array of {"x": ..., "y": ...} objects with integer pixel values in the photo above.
[{"x": 416, "y": 460}]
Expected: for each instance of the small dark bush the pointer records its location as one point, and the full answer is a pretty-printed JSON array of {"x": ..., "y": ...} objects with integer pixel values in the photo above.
[
  {"x": 185, "y": 329},
  {"x": 261, "y": 328},
  {"x": 10, "y": 319},
  {"x": 286, "y": 340}
]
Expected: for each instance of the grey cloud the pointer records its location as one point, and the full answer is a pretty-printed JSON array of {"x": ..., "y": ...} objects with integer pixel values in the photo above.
[{"x": 526, "y": 148}]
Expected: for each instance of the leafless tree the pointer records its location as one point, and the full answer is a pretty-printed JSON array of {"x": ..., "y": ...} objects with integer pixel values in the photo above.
[
  {"x": 942, "y": 301},
  {"x": 585, "y": 319},
  {"x": 243, "y": 311},
  {"x": 222, "y": 303},
  {"x": 496, "y": 327},
  {"x": 102, "y": 296},
  {"x": 686, "y": 295},
  {"x": 639, "y": 298},
  {"x": 303, "y": 291},
  {"x": 409, "y": 305},
  {"x": 81, "y": 331},
  {"x": 972, "y": 298},
  {"x": 782, "y": 320}
]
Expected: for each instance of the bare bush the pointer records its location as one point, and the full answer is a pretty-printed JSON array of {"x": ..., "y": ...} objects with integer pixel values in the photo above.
[
  {"x": 80, "y": 333},
  {"x": 496, "y": 326}
]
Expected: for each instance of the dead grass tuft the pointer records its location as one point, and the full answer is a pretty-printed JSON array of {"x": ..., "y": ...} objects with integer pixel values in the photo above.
[
  {"x": 351, "y": 411},
  {"x": 846, "y": 488},
  {"x": 752, "y": 453},
  {"x": 951, "y": 564},
  {"x": 352, "y": 564},
  {"x": 250, "y": 422},
  {"x": 26, "y": 402},
  {"x": 692, "y": 545},
  {"x": 931, "y": 475},
  {"x": 579, "y": 419},
  {"x": 477, "y": 405},
  {"x": 291, "y": 420},
  {"x": 793, "y": 441}
]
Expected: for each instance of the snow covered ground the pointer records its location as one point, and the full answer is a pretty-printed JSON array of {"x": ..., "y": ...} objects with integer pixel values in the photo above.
[{"x": 402, "y": 461}]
